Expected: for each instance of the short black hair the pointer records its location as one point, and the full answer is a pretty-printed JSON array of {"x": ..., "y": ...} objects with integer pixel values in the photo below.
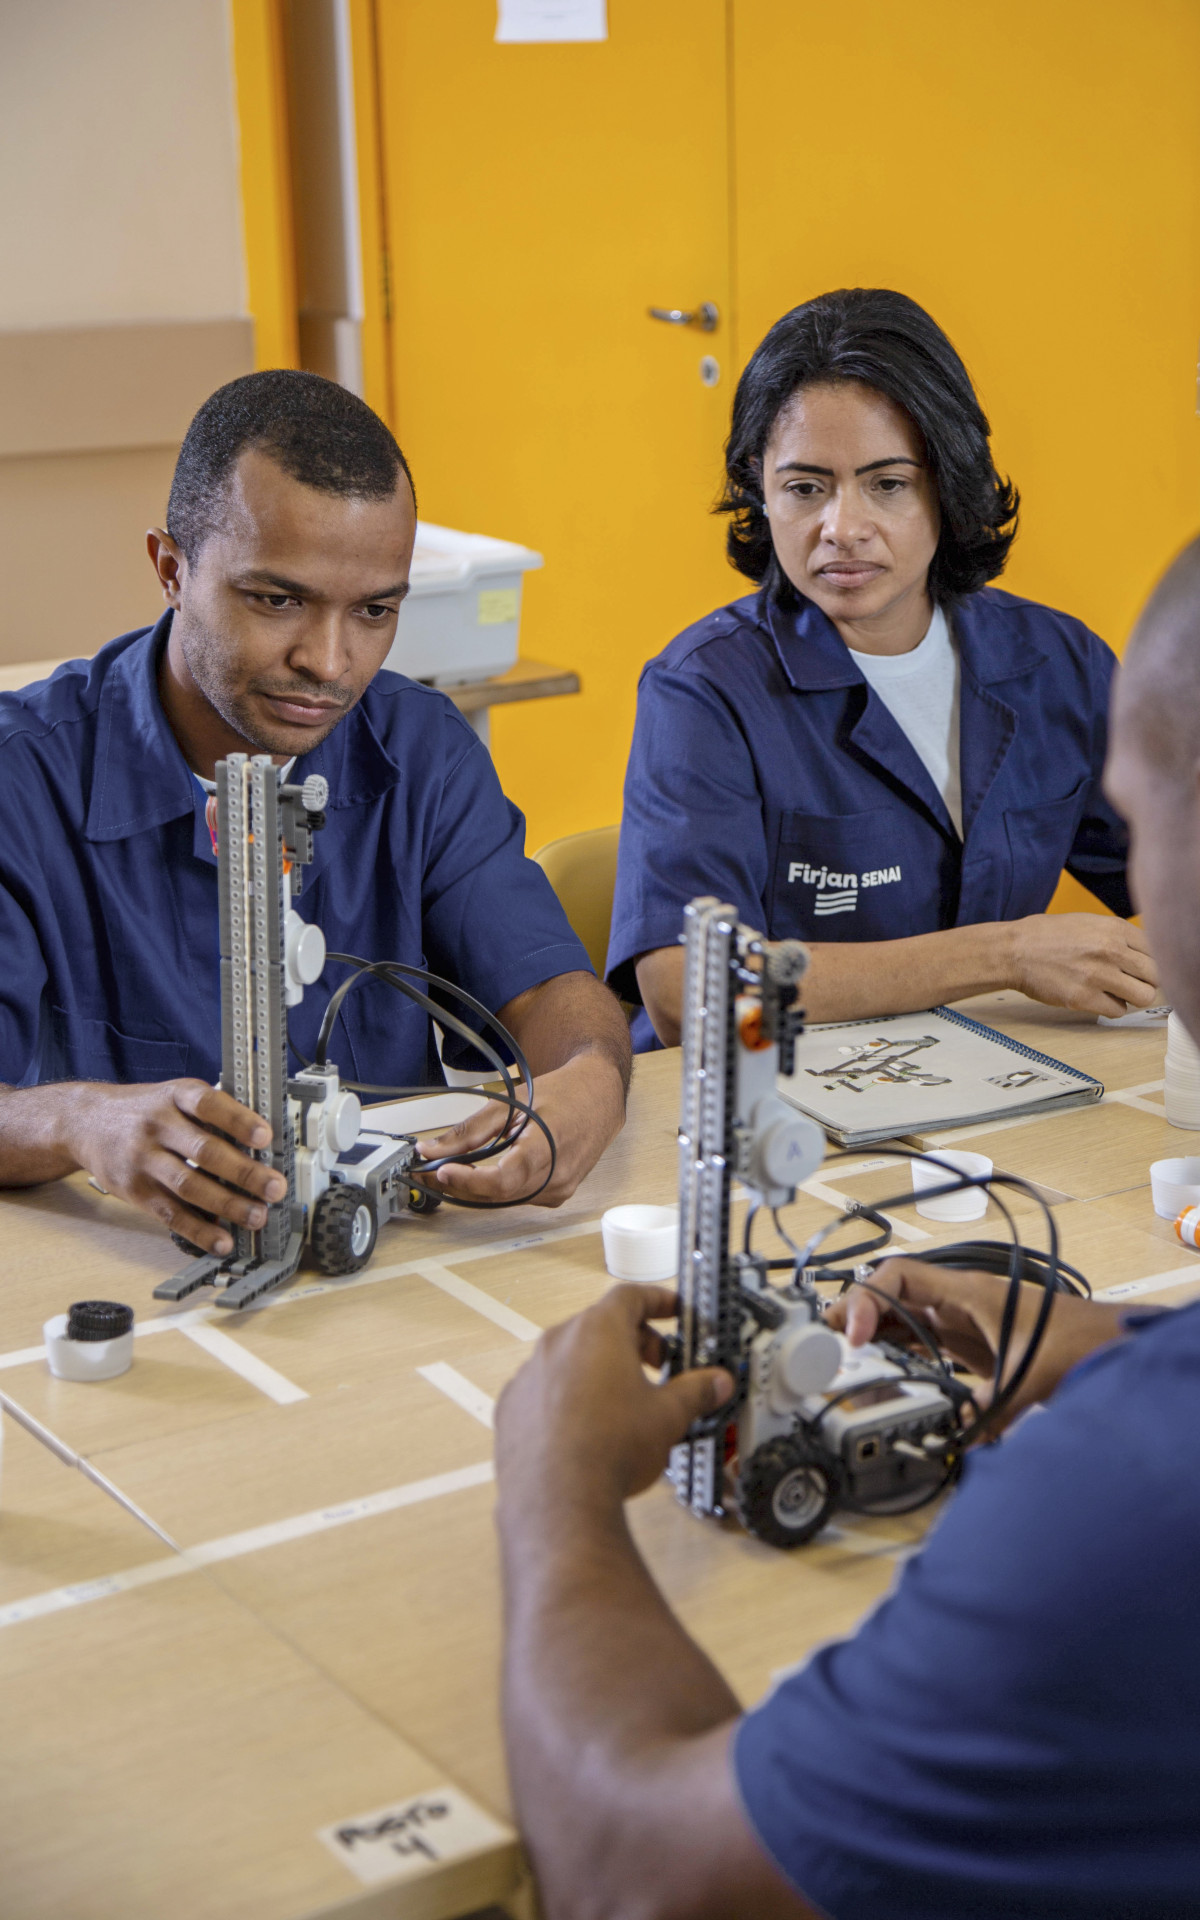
[
  {"x": 319, "y": 432},
  {"x": 885, "y": 341}
]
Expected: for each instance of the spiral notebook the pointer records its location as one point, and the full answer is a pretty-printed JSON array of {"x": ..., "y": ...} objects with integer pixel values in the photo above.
[{"x": 868, "y": 1080}]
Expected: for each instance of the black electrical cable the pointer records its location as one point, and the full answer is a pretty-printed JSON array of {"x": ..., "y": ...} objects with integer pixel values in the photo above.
[
  {"x": 881, "y": 1237},
  {"x": 992, "y": 1256},
  {"x": 1022, "y": 1264},
  {"x": 399, "y": 975}
]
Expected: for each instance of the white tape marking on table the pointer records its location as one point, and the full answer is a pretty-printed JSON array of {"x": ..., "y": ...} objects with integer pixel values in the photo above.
[
  {"x": 463, "y": 1392},
  {"x": 22, "y": 1356},
  {"x": 842, "y": 1202},
  {"x": 166, "y": 1323},
  {"x": 314, "y": 1289},
  {"x": 478, "y": 1301},
  {"x": 36, "y": 1605},
  {"x": 241, "y": 1361},
  {"x": 278, "y": 1533},
  {"x": 253, "y": 1540},
  {"x": 1153, "y": 1283},
  {"x": 413, "y": 1835}
]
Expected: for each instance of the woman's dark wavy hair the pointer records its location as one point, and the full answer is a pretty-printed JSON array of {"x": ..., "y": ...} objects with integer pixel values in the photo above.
[{"x": 888, "y": 342}]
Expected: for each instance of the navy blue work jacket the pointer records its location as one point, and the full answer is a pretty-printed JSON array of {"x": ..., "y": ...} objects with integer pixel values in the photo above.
[
  {"x": 108, "y": 884},
  {"x": 765, "y": 770}
]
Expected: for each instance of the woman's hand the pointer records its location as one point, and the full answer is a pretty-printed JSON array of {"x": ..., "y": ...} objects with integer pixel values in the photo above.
[{"x": 1087, "y": 961}]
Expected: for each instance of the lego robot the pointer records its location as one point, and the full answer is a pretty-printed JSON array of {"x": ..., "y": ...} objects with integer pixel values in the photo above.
[
  {"x": 343, "y": 1180},
  {"x": 813, "y": 1424}
]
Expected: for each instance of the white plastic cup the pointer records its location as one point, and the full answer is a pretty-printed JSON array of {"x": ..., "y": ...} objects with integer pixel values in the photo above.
[
  {"x": 970, "y": 1203},
  {"x": 641, "y": 1243},
  {"x": 70, "y": 1359},
  {"x": 1175, "y": 1186}
]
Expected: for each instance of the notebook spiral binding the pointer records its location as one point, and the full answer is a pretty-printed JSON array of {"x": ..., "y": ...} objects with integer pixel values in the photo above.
[{"x": 1014, "y": 1046}]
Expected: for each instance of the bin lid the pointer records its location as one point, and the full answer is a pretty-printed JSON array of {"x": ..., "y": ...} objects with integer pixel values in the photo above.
[{"x": 445, "y": 560}]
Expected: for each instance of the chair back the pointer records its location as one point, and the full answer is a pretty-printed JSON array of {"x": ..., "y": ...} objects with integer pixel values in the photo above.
[{"x": 582, "y": 869}]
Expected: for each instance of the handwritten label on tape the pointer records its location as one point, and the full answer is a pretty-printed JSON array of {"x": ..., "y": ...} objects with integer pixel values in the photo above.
[{"x": 397, "y": 1842}]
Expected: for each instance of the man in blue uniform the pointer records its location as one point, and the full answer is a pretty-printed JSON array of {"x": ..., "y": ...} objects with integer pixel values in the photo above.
[
  {"x": 1014, "y": 1734},
  {"x": 291, "y": 527},
  {"x": 876, "y": 753}
]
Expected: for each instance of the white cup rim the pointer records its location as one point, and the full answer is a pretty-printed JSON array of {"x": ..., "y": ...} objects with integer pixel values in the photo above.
[{"x": 641, "y": 1220}]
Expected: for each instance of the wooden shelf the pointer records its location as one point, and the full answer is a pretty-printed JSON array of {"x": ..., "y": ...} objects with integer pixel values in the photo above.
[{"x": 527, "y": 680}]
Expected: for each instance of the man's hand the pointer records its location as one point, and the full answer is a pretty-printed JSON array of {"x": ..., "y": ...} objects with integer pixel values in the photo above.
[
  {"x": 964, "y": 1310},
  {"x": 573, "y": 1034},
  {"x": 139, "y": 1141},
  {"x": 618, "y": 1727},
  {"x": 1086, "y": 961},
  {"x": 583, "y": 1104},
  {"x": 582, "y": 1419}
]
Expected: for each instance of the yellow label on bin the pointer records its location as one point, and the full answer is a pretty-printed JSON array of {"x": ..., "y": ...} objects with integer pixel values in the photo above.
[{"x": 497, "y": 605}]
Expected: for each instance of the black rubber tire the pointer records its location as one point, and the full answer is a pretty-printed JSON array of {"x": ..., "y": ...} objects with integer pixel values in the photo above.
[
  {"x": 190, "y": 1248},
  {"x": 341, "y": 1239},
  {"x": 420, "y": 1200},
  {"x": 787, "y": 1491}
]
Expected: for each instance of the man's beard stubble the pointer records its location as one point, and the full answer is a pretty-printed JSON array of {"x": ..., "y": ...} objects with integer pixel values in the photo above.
[{"x": 207, "y": 657}]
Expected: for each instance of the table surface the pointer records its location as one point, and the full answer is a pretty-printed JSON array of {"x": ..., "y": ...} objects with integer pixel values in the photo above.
[{"x": 180, "y": 1726}]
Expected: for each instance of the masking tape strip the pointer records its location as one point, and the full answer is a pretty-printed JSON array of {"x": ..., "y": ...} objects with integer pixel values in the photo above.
[
  {"x": 479, "y": 1301},
  {"x": 841, "y": 1201},
  {"x": 463, "y": 1392},
  {"x": 253, "y": 1540},
  {"x": 1153, "y": 1283},
  {"x": 485, "y": 1250},
  {"x": 241, "y": 1361}
]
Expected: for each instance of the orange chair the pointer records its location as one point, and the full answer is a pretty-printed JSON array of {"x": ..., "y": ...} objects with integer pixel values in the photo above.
[{"x": 582, "y": 869}]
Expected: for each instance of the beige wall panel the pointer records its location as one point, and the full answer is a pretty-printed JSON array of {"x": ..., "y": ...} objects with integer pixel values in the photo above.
[
  {"x": 119, "y": 154},
  {"x": 71, "y": 389},
  {"x": 72, "y": 559}
]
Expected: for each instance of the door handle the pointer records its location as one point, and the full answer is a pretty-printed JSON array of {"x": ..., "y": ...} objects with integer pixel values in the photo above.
[{"x": 706, "y": 316}]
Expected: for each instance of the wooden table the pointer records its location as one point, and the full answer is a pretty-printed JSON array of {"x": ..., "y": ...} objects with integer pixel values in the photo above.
[{"x": 180, "y": 1727}]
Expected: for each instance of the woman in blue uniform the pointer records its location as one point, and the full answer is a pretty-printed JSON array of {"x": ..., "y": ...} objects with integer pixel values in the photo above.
[{"x": 875, "y": 752}]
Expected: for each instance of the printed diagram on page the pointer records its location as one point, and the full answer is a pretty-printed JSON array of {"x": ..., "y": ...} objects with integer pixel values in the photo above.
[
  {"x": 1019, "y": 1077},
  {"x": 880, "y": 1063}
]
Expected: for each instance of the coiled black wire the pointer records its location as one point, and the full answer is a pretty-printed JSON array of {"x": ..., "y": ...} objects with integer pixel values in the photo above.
[
  {"x": 1015, "y": 1261},
  {"x": 400, "y": 975}
]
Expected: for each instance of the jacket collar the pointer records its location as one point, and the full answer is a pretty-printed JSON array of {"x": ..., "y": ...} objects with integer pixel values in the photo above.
[
  {"x": 141, "y": 780},
  {"x": 992, "y": 646}
]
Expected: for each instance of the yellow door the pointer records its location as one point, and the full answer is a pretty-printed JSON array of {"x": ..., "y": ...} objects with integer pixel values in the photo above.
[
  {"x": 539, "y": 200},
  {"x": 1031, "y": 174}
]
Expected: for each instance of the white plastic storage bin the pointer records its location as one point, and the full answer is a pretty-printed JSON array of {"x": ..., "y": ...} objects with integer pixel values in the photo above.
[{"x": 459, "y": 622}]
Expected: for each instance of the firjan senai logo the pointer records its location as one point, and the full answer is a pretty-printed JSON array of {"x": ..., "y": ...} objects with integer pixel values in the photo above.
[{"x": 838, "y": 892}]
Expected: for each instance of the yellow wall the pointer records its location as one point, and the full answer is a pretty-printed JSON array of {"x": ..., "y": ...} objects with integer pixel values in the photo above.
[
  {"x": 539, "y": 199},
  {"x": 260, "y": 68},
  {"x": 1031, "y": 174},
  {"x": 1033, "y": 177}
]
